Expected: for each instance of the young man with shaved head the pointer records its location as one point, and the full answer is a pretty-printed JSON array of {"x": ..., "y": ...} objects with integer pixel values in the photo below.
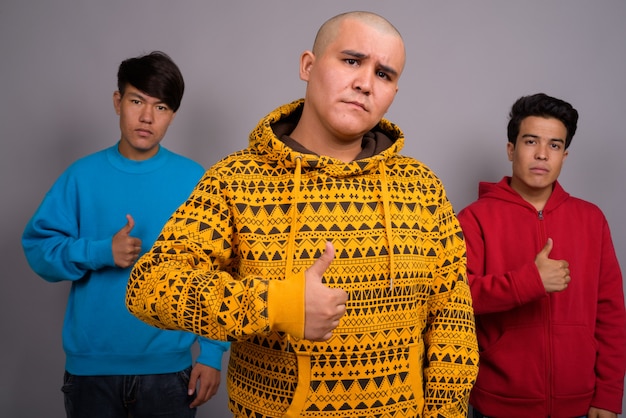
[{"x": 334, "y": 264}]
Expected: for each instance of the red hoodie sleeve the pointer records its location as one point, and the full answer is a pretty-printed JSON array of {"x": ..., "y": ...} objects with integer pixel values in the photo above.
[
  {"x": 610, "y": 330},
  {"x": 496, "y": 292}
]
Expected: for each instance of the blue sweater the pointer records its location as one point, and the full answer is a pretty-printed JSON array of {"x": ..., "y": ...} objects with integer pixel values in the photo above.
[{"x": 69, "y": 238}]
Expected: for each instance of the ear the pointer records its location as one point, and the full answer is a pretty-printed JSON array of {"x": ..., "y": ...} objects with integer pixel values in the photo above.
[
  {"x": 117, "y": 101},
  {"x": 509, "y": 150},
  {"x": 565, "y": 154},
  {"x": 307, "y": 60}
]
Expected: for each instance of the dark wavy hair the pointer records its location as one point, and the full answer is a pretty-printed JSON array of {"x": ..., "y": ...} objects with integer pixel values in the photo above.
[
  {"x": 542, "y": 105},
  {"x": 154, "y": 74}
]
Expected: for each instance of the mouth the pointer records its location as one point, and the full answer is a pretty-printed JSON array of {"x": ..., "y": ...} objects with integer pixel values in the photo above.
[
  {"x": 357, "y": 104},
  {"x": 539, "y": 170},
  {"x": 143, "y": 132}
]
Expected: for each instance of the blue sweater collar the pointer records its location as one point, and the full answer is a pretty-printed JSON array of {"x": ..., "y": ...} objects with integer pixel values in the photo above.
[{"x": 131, "y": 166}]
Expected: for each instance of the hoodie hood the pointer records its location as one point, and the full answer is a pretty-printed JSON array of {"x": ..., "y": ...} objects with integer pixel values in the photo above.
[
  {"x": 270, "y": 138},
  {"x": 502, "y": 190}
]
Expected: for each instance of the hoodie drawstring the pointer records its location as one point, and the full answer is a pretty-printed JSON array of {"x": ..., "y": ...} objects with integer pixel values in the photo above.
[
  {"x": 291, "y": 243},
  {"x": 384, "y": 189}
]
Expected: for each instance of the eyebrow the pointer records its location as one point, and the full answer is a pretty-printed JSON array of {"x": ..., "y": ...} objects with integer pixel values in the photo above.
[
  {"x": 143, "y": 98},
  {"x": 537, "y": 137},
  {"x": 132, "y": 93},
  {"x": 361, "y": 55}
]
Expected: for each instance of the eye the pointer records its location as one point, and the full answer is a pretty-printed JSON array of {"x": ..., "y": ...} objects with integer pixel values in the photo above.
[
  {"x": 383, "y": 74},
  {"x": 351, "y": 61},
  {"x": 555, "y": 146},
  {"x": 162, "y": 108},
  {"x": 135, "y": 101}
]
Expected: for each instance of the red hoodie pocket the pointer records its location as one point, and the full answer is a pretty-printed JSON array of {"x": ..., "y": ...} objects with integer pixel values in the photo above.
[
  {"x": 515, "y": 364},
  {"x": 574, "y": 359}
]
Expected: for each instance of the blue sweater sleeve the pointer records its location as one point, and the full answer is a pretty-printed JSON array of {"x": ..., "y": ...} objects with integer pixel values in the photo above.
[
  {"x": 52, "y": 242},
  {"x": 211, "y": 352}
]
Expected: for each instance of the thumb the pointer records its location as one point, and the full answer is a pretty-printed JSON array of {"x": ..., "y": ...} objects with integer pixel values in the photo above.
[
  {"x": 545, "y": 251},
  {"x": 321, "y": 264},
  {"x": 130, "y": 224}
]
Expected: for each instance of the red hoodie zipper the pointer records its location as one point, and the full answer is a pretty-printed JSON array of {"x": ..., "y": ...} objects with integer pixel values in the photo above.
[{"x": 548, "y": 325}]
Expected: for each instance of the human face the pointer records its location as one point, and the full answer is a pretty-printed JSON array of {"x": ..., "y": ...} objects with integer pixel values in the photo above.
[
  {"x": 143, "y": 122},
  {"x": 537, "y": 157},
  {"x": 351, "y": 83}
]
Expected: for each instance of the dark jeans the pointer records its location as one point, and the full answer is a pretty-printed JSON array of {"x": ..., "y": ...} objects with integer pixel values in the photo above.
[{"x": 144, "y": 396}]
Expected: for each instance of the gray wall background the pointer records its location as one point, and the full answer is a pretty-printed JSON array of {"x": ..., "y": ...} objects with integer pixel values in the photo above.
[{"x": 467, "y": 62}]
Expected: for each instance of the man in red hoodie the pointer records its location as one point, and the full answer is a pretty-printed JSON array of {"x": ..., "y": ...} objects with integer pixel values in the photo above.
[{"x": 546, "y": 284}]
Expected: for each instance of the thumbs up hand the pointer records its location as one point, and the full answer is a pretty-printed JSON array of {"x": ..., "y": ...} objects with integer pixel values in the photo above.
[
  {"x": 125, "y": 248},
  {"x": 324, "y": 306},
  {"x": 554, "y": 273}
]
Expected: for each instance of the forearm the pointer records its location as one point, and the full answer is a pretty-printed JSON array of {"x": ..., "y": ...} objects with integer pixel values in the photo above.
[
  {"x": 502, "y": 292},
  {"x": 494, "y": 286},
  {"x": 610, "y": 333},
  {"x": 57, "y": 257},
  {"x": 451, "y": 353},
  {"x": 185, "y": 292}
]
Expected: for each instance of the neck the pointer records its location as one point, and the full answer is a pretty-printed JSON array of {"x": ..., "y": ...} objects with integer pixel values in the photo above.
[
  {"x": 136, "y": 154},
  {"x": 326, "y": 144},
  {"x": 536, "y": 197}
]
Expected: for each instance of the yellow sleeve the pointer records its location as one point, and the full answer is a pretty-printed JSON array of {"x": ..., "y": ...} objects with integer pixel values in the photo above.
[{"x": 286, "y": 305}]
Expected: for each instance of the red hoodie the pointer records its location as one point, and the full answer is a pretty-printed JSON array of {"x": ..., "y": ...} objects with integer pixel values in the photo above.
[{"x": 544, "y": 354}]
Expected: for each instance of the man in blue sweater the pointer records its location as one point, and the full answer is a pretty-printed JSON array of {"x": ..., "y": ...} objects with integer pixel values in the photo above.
[{"x": 101, "y": 214}]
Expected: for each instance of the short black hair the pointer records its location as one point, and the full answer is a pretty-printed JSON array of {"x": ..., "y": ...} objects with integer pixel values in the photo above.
[
  {"x": 542, "y": 105},
  {"x": 154, "y": 74}
]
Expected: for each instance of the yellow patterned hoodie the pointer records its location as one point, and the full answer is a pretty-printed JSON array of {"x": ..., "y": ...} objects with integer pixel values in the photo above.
[{"x": 230, "y": 265}]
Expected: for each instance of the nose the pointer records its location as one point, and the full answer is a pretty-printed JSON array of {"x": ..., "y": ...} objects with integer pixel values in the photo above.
[
  {"x": 363, "y": 81},
  {"x": 542, "y": 153},
  {"x": 146, "y": 115}
]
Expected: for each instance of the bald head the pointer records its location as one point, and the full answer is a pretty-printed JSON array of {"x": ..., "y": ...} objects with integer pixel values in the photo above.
[{"x": 330, "y": 29}]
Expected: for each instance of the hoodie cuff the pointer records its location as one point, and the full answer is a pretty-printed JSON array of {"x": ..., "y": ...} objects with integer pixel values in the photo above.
[{"x": 285, "y": 305}]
